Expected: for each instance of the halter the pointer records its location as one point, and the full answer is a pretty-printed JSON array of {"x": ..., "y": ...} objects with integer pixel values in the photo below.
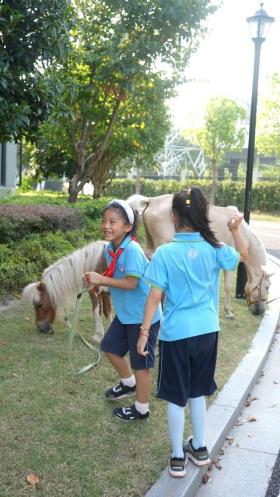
[
  {"x": 257, "y": 287},
  {"x": 73, "y": 332},
  {"x": 259, "y": 298}
]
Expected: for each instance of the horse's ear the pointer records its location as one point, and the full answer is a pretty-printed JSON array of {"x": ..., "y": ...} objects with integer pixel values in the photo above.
[
  {"x": 41, "y": 286},
  {"x": 268, "y": 271}
]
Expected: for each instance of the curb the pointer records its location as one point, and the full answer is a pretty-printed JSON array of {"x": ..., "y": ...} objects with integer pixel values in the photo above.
[{"x": 223, "y": 412}]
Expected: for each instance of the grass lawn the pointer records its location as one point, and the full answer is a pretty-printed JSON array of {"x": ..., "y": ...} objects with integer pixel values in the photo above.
[{"x": 60, "y": 426}]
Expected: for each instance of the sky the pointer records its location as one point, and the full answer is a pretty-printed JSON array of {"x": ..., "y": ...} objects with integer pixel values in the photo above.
[{"x": 223, "y": 63}]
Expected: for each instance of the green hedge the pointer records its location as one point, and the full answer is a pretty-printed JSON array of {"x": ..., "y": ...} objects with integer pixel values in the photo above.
[
  {"x": 23, "y": 262},
  {"x": 265, "y": 195},
  {"x": 16, "y": 221}
]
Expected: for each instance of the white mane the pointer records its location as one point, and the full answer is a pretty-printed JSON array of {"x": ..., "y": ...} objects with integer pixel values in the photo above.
[{"x": 63, "y": 279}]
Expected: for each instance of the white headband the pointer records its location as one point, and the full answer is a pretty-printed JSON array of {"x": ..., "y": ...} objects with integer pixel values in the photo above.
[{"x": 126, "y": 207}]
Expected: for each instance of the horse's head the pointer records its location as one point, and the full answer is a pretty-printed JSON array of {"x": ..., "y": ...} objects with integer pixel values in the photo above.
[
  {"x": 37, "y": 294},
  {"x": 257, "y": 293}
]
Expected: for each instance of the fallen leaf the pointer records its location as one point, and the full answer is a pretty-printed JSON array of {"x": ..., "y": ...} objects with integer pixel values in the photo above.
[
  {"x": 221, "y": 452},
  {"x": 207, "y": 477},
  {"x": 251, "y": 418},
  {"x": 217, "y": 464},
  {"x": 27, "y": 319},
  {"x": 230, "y": 440},
  {"x": 15, "y": 375},
  {"x": 238, "y": 422},
  {"x": 32, "y": 479},
  {"x": 275, "y": 382}
]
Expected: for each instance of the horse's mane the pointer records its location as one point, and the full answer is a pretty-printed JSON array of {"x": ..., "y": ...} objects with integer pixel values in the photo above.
[{"x": 63, "y": 279}]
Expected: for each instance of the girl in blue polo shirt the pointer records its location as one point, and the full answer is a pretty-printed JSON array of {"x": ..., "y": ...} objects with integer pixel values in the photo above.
[
  {"x": 125, "y": 264},
  {"x": 187, "y": 271}
]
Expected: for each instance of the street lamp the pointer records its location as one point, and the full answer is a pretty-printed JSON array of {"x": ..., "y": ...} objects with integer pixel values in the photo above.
[{"x": 259, "y": 26}]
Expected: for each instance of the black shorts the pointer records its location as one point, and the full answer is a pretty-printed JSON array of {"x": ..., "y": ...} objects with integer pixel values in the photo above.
[
  {"x": 187, "y": 368},
  {"x": 122, "y": 338}
]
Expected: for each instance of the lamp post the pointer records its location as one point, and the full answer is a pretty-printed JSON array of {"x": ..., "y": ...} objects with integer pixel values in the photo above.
[{"x": 259, "y": 26}]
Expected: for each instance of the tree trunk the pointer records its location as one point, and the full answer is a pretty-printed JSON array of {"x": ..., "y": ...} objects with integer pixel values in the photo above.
[
  {"x": 73, "y": 190},
  {"x": 214, "y": 183},
  {"x": 138, "y": 181}
]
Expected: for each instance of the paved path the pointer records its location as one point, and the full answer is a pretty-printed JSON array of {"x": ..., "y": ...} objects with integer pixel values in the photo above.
[
  {"x": 248, "y": 461},
  {"x": 269, "y": 233}
]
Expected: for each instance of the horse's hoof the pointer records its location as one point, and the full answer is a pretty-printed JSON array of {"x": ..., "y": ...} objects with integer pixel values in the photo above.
[{"x": 231, "y": 317}]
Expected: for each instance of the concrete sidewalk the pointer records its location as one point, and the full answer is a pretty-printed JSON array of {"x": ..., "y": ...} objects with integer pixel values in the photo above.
[{"x": 222, "y": 416}]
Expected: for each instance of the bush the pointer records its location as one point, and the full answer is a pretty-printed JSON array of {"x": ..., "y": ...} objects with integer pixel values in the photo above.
[
  {"x": 265, "y": 195},
  {"x": 17, "y": 222},
  {"x": 24, "y": 262}
]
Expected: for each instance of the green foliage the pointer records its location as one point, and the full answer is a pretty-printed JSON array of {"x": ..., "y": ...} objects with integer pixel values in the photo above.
[
  {"x": 16, "y": 222},
  {"x": 109, "y": 99},
  {"x": 22, "y": 262},
  {"x": 265, "y": 195},
  {"x": 35, "y": 35},
  {"x": 268, "y": 133}
]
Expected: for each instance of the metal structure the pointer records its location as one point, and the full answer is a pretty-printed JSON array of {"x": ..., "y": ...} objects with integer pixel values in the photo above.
[
  {"x": 259, "y": 24},
  {"x": 175, "y": 159}
]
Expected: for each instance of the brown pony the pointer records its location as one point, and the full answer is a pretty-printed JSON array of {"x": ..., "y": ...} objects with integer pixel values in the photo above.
[{"x": 60, "y": 284}]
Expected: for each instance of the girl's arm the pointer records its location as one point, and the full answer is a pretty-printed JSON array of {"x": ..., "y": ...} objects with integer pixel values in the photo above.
[
  {"x": 153, "y": 300},
  {"x": 233, "y": 225},
  {"x": 127, "y": 283}
]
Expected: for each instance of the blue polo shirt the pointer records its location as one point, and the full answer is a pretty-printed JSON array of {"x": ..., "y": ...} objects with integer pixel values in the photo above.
[
  {"x": 187, "y": 270},
  {"x": 130, "y": 304}
]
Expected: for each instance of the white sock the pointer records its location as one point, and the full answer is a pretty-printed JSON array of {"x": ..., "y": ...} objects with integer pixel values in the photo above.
[
  {"x": 198, "y": 419},
  {"x": 141, "y": 407},
  {"x": 176, "y": 423},
  {"x": 130, "y": 381}
]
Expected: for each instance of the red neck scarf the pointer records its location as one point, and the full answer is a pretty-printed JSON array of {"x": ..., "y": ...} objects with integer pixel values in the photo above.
[
  {"x": 112, "y": 266},
  {"x": 115, "y": 255}
]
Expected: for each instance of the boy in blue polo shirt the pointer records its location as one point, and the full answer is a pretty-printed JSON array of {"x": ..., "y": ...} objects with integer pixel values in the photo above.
[
  {"x": 187, "y": 271},
  {"x": 125, "y": 264}
]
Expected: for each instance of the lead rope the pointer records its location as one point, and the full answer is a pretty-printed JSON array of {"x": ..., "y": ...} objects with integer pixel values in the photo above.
[{"x": 73, "y": 332}]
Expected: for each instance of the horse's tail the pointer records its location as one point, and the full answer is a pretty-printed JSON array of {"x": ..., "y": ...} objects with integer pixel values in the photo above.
[{"x": 138, "y": 202}]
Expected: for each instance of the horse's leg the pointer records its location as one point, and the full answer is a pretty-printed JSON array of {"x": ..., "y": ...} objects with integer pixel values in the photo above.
[
  {"x": 228, "y": 276},
  {"x": 99, "y": 329},
  {"x": 106, "y": 305}
]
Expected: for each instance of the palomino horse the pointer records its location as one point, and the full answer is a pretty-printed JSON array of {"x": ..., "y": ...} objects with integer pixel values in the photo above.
[
  {"x": 156, "y": 216},
  {"x": 60, "y": 285}
]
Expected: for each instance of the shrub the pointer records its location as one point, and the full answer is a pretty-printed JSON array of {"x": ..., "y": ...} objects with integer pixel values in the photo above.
[
  {"x": 23, "y": 262},
  {"x": 265, "y": 195},
  {"x": 18, "y": 221}
]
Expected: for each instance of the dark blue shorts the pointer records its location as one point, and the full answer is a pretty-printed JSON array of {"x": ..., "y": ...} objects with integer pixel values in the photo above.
[
  {"x": 122, "y": 338},
  {"x": 187, "y": 368}
]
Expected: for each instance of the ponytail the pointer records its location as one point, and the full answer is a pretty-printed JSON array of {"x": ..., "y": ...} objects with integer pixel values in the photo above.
[{"x": 191, "y": 209}]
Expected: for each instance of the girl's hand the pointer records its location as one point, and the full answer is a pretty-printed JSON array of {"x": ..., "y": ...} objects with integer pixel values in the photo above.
[
  {"x": 92, "y": 278},
  {"x": 234, "y": 222},
  {"x": 141, "y": 344}
]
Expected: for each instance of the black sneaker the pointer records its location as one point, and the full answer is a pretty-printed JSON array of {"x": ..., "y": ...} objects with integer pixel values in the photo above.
[
  {"x": 129, "y": 414},
  {"x": 200, "y": 456},
  {"x": 177, "y": 466},
  {"x": 120, "y": 391}
]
